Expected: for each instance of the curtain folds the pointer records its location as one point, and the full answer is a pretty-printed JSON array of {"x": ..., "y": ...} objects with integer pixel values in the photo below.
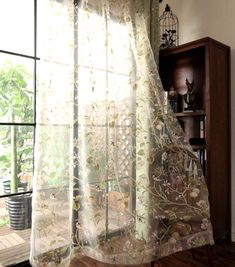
[{"x": 114, "y": 178}]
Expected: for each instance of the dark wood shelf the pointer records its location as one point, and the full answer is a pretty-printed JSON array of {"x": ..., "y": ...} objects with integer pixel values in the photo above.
[
  {"x": 207, "y": 63},
  {"x": 197, "y": 147},
  {"x": 190, "y": 114}
]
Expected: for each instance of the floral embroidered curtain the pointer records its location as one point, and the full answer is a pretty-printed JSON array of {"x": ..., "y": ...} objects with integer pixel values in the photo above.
[{"x": 114, "y": 178}]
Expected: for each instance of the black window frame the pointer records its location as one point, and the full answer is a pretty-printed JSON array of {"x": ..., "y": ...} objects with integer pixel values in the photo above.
[{"x": 34, "y": 58}]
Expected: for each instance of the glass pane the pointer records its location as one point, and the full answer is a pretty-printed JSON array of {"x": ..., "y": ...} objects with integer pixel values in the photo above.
[
  {"x": 120, "y": 152},
  {"x": 55, "y": 93},
  {"x": 55, "y": 31},
  {"x": 55, "y": 161},
  {"x": 16, "y": 158},
  {"x": 15, "y": 223},
  {"x": 120, "y": 195},
  {"x": 91, "y": 97},
  {"x": 16, "y": 89},
  {"x": 17, "y": 26}
]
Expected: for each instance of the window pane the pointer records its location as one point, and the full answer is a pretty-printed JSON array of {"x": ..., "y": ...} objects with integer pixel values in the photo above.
[
  {"x": 55, "y": 160},
  {"x": 17, "y": 26},
  {"x": 16, "y": 89},
  {"x": 55, "y": 93},
  {"x": 55, "y": 31},
  {"x": 15, "y": 223},
  {"x": 16, "y": 158},
  {"x": 119, "y": 202}
]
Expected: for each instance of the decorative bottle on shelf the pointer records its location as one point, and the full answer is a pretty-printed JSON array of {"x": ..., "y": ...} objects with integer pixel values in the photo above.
[
  {"x": 202, "y": 127},
  {"x": 165, "y": 101},
  {"x": 172, "y": 96}
]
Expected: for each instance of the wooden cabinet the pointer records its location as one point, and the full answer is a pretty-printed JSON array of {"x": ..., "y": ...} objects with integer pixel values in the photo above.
[{"x": 207, "y": 63}]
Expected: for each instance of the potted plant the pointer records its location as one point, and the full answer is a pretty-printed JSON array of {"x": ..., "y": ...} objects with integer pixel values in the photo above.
[{"x": 17, "y": 150}]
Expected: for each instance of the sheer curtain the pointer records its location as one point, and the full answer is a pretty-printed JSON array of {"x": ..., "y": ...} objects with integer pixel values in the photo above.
[{"x": 114, "y": 178}]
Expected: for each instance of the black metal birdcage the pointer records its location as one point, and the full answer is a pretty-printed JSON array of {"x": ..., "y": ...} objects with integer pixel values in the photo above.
[{"x": 169, "y": 29}]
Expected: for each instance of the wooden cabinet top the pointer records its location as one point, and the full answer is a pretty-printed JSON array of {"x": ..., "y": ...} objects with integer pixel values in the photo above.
[{"x": 203, "y": 42}]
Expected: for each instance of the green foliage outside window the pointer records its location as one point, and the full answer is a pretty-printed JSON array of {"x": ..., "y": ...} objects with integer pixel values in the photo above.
[{"x": 16, "y": 105}]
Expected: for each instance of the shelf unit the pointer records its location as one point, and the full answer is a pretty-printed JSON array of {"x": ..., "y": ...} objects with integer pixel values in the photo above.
[{"x": 207, "y": 63}]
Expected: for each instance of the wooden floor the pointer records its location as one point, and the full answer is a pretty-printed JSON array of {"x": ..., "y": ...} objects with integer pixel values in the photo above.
[
  {"x": 224, "y": 256},
  {"x": 15, "y": 253}
]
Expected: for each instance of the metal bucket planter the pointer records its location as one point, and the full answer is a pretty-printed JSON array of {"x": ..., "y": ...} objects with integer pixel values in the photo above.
[
  {"x": 7, "y": 189},
  {"x": 20, "y": 210}
]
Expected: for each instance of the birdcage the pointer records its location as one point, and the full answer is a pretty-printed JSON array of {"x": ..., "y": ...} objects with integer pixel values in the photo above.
[{"x": 169, "y": 29}]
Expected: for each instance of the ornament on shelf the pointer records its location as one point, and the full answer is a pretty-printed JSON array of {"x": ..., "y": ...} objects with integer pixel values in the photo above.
[
  {"x": 189, "y": 97},
  {"x": 169, "y": 29},
  {"x": 172, "y": 97}
]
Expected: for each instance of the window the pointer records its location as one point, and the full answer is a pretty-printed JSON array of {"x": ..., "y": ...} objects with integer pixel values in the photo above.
[{"x": 18, "y": 61}]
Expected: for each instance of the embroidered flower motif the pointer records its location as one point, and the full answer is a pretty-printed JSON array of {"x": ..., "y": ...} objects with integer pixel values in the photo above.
[
  {"x": 172, "y": 240},
  {"x": 160, "y": 126},
  {"x": 52, "y": 196},
  {"x": 164, "y": 156},
  {"x": 127, "y": 246},
  {"x": 201, "y": 204},
  {"x": 204, "y": 224},
  {"x": 194, "y": 193}
]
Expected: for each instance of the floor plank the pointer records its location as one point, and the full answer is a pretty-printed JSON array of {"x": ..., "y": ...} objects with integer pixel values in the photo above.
[
  {"x": 16, "y": 252},
  {"x": 224, "y": 256}
]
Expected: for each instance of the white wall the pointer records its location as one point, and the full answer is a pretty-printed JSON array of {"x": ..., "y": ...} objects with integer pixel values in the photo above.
[{"x": 213, "y": 18}]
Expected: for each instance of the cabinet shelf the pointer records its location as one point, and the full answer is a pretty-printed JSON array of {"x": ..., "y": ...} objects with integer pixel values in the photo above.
[
  {"x": 198, "y": 147},
  {"x": 205, "y": 62},
  {"x": 190, "y": 114}
]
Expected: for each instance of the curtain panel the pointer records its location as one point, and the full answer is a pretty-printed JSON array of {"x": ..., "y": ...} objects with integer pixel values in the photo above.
[{"x": 114, "y": 177}]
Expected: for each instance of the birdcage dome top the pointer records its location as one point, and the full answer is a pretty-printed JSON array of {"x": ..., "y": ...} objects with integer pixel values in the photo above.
[{"x": 168, "y": 16}]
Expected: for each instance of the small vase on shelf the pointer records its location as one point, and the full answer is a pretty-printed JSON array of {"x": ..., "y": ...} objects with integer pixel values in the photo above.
[{"x": 172, "y": 97}]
